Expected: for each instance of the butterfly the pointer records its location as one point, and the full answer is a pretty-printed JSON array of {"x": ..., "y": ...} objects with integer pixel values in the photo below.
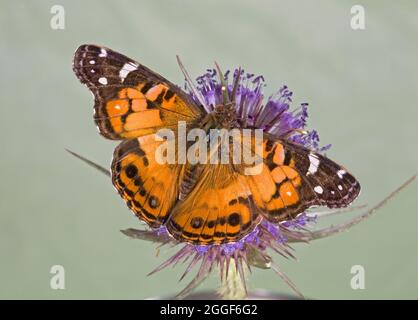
[{"x": 201, "y": 204}]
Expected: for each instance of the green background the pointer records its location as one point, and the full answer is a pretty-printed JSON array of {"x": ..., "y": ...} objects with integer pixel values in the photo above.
[{"x": 361, "y": 85}]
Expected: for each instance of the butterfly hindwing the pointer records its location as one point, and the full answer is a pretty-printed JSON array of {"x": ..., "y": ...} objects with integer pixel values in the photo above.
[
  {"x": 219, "y": 209},
  {"x": 148, "y": 187},
  {"x": 130, "y": 99}
]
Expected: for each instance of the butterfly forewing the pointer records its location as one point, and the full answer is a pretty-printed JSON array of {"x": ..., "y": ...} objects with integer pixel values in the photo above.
[
  {"x": 295, "y": 178},
  {"x": 130, "y": 99},
  {"x": 149, "y": 188}
]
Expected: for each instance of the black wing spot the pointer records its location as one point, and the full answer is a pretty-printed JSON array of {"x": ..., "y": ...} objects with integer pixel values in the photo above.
[
  {"x": 131, "y": 171},
  {"x": 211, "y": 224},
  {"x": 142, "y": 192},
  {"x": 234, "y": 219},
  {"x": 196, "y": 222},
  {"x": 168, "y": 95},
  {"x": 146, "y": 87},
  {"x": 287, "y": 157},
  {"x": 129, "y": 192}
]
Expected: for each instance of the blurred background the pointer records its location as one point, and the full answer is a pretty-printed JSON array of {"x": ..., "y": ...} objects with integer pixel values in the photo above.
[{"x": 361, "y": 85}]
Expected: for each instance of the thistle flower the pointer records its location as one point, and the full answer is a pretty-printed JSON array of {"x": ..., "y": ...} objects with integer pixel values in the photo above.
[
  {"x": 234, "y": 260},
  {"x": 274, "y": 117}
]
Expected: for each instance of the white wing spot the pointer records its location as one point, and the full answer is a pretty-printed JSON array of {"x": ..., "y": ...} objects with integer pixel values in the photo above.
[
  {"x": 103, "y": 80},
  {"x": 288, "y": 193},
  {"x": 92, "y": 71},
  {"x": 117, "y": 107},
  {"x": 340, "y": 187},
  {"x": 332, "y": 192},
  {"x": 313, "y": 164},
  {"x": 318, "y": 189},
  {"x": 92, "y": 62},
  {"x": 126, "y": 69},
  {"x": 341, "y": 173},
  {"x": 103, "y": 53}
]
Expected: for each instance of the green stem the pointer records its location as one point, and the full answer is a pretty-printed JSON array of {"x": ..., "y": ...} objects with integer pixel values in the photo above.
[{"x": 232, "y": 287}]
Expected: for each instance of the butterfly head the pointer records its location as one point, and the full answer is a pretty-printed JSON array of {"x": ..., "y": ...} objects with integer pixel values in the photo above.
[{"x": 224, "y": 114}]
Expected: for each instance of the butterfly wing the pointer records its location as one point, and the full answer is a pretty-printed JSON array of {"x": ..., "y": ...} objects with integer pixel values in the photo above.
[
  {"x": 227, "y": 202},
  {"x": 295, "y": 178},
  {"x": 149, "y": 188},
  {"x": 218, "y": 210},
  {"x": 130, "y": 100}
]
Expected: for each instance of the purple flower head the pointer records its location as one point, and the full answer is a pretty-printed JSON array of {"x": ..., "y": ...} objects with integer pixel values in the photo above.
[{"x": 274, "y": 116}]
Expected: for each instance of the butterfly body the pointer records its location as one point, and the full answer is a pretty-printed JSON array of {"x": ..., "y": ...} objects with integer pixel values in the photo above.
[
  {"x": 224, "y": 116},
  {"x": 199, "y": 203}
]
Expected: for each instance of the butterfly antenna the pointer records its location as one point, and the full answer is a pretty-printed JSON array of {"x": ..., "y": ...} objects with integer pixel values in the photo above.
[
  {"x": 189, "y": 81},
  {"x": 90, "y": 163},
  {"x": 224, "y": 87}
]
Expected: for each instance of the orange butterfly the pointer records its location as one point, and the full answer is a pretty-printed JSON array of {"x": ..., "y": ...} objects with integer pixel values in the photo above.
[{"x": 198, "y": 203}]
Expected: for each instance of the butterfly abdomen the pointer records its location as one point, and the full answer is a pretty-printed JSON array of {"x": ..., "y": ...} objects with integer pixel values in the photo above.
[{"x": 191, "y": 176}]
